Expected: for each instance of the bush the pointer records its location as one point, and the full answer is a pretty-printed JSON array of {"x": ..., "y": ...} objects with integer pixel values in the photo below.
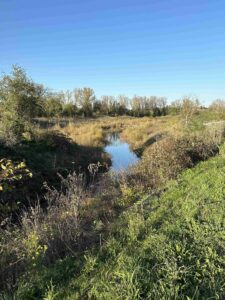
[
  {"x": 10, "y": 173},
  {"x": 13, "y": 176},
  {"x": 165, "y": 159},
  {"x": 58, "y": 227}
]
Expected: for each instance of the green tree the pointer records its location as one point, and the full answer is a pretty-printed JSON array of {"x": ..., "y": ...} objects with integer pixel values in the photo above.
[
  {"x": 21, "y": 99},
  {"x": 53, "y": 104},
  {"x": 69, "y": 109}
]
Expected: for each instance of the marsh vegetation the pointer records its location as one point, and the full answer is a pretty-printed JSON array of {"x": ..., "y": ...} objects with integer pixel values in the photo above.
[{"x": 70, "y": 229}]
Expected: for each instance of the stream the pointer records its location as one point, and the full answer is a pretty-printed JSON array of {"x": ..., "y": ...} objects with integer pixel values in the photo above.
[{"x": 120, "y": 152}]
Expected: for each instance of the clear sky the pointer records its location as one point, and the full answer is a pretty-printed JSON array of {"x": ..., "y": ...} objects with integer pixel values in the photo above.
[{"x": 149, "y": 47}]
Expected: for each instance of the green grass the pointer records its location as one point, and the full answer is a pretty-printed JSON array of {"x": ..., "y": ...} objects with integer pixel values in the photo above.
[
  {"x": 202, "y": 117},
  {"x": 173, "y": 249},
  {"x": 170, "y": 247}
]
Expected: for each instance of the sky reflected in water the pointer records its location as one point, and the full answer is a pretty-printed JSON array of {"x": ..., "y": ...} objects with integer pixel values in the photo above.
[{"x": 121, "y": 155}]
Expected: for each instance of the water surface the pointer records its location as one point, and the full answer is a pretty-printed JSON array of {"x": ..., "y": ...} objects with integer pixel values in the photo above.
[{"x": 121, "y": 155}]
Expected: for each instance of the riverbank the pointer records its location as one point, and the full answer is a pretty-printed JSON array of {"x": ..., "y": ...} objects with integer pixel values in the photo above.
[
  {"x": 121, "y": 237},
  {"x": 169, "y": 246},
  {"x": 136, "y": 131},
  {"x": 72, "y": 147},
  {"x": 78, "y": 221}
]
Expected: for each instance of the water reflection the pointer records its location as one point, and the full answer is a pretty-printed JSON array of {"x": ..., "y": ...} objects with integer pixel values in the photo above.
[{"x": 121, "y": 155}]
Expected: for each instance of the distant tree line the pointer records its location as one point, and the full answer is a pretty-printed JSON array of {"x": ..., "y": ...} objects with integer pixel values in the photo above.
[
  {"x": 83, "y": 102},
  {"x": 24, "y": 99},
  {"x": 21, "y": 100}
]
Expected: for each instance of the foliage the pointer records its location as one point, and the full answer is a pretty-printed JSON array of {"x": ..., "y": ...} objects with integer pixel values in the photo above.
[
  {"x": 163, "y": 247},
  {"x": 148, "y": 106},
  {"x": 20, "y": 100},
  {"x": 85, "y": 98},
  {"x": 69, "y": 110},
  {"x": 50, "y": 293},
  {"x": 53, "y": 106},
  {"x": 33, "y": 249},
  {"x": 11, "y": 172}
]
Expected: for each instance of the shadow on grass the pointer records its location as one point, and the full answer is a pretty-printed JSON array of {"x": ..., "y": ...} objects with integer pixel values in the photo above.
[
  {"x": 47, "y": 156},
  {"x": 153, "y": 139}
]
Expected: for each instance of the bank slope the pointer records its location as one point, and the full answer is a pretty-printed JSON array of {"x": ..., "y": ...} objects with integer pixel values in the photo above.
[{"x": 167, "y": 248}]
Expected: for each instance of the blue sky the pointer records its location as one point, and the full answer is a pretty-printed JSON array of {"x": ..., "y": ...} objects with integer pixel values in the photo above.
[{"x": 166, "y": 48}]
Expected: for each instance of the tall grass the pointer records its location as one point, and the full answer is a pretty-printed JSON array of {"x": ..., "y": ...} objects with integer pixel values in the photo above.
[
  {"x": 84, "y": 134},
  {"x": 136, "y": 131}
]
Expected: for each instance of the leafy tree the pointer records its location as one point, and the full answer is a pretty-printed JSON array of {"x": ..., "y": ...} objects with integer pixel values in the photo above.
[
  {"x": 69, "y": 109},
  {"x": 21, "y": 99},
  {"x": 107, "y": 105},
  {"x": 85, "y": 99},
  {"x": 53, "y": 104},
  {"x": 18, "y": 92}
]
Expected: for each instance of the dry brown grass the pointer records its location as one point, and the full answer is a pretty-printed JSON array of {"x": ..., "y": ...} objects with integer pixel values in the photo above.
[
  {"x": 136, "y": 131},
  {"x": 83, "y": 134},
  {"x": 141, "y": 130},
  {"x": 165, "y": 159}
]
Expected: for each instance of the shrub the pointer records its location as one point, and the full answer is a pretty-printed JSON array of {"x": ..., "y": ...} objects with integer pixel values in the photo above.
[
  {"x": 165, "y": 159},
  {"x": 12, "y": 177},
  {"x": 11, "y": 172},
  {"x": 58, "y": 227}
]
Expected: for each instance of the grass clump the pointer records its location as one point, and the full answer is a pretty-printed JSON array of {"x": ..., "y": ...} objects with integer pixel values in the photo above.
[{"x": 84, "y": 134}]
